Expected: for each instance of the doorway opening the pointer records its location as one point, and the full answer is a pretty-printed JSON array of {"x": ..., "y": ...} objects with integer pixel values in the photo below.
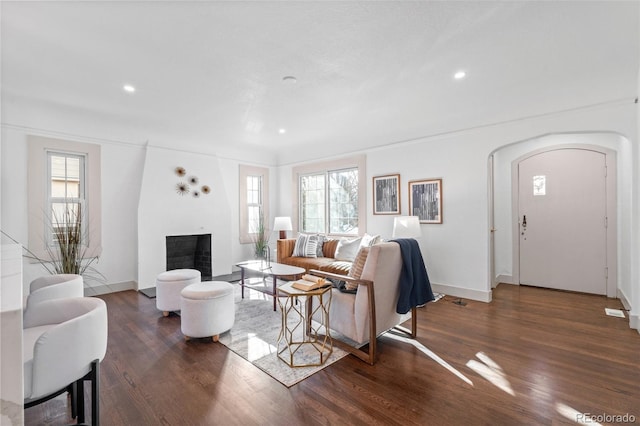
[{"x": 506, "y": 222}]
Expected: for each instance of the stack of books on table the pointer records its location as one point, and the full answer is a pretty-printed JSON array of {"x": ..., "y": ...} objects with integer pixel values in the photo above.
[{"x": 310, "y": 282}]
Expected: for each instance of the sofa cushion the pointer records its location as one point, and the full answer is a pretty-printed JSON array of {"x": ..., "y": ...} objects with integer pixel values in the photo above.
[
  {"x": 347, "y": 249},
  {"x": 329, "y": 247},
  {"x": 308, "y": 262},
  {"x": 319, "y": 249},
  {"x": 306, "y": 246},
  {"x": 369, "y": 240},
  {"x": 357, "y": 268}
]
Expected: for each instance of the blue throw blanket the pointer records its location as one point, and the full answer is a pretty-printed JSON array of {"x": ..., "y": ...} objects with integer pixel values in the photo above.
[{"x": 415, "y": 288}]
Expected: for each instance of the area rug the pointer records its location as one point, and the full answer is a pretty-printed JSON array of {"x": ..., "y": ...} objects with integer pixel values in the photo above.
[{"x": 254, "y": 337}]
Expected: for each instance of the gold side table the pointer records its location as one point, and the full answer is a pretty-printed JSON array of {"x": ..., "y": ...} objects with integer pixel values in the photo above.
[{"x": 300, "y": 344}]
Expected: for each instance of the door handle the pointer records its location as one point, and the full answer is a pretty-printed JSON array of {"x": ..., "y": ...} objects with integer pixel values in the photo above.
[{"x": 524, "y": 221}]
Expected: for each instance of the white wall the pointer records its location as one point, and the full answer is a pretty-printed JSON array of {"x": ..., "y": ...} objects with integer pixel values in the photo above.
[
  {"x": 634, "y": 232},
  {"x": 163, "y": 212},
  {"x": 457, "y": 251},
  {"x": 121, "y": 177}
]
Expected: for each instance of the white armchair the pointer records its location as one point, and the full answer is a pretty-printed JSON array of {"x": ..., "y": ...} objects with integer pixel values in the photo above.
[
  {"x": 57, "y": 286},
  {"x": 371, "y": 311},
  {"x": 64, "y": 341}
]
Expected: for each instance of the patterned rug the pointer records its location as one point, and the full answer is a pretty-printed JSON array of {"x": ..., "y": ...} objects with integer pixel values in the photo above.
[{"x": 254, "y": 337}]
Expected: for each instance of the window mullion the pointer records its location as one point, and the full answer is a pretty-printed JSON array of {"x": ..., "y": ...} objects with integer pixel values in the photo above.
[{"x": 327, "y": 203}]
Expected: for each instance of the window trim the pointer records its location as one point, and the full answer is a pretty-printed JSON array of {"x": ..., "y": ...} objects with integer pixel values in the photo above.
[
  {"x": 358, "y": 161},
  {"x": 39, "y": 148},
  {"x": 245, "y": 171}
]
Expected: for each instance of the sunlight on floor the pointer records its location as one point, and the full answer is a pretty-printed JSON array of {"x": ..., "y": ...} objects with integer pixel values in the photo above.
[
  {"x": 573, "y": 414},
  {"x": 431, "y": 355},
  {"x": 491, "y": 371},
  {"x": 258, "y": 348}
]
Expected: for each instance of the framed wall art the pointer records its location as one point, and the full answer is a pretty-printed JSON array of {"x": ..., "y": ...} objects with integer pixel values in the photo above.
[
  {"x": 386, "y": 194},
  {"x": 425, "y": 200}
]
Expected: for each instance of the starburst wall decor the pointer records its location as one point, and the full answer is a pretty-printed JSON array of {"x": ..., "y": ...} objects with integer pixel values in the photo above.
[{"x": 184, "y": 188}]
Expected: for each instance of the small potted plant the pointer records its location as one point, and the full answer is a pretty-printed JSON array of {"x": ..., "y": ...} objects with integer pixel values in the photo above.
[{"x": 261, "y": 240}]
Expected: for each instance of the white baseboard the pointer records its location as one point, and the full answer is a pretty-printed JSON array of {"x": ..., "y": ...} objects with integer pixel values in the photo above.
[
  {"x": 96, "y": 290},
  {"x": 624, "y": 300},
  {"x": 634, "y": 322},
  {"x": 142, "y": 287},
  {"x": 467, "y": 293},
  {"x": 634, "y": 319},
  {"x": 504, "y": 279}
]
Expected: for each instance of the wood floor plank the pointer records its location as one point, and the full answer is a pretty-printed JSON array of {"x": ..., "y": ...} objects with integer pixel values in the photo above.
[{"x": 530, "y": 357}]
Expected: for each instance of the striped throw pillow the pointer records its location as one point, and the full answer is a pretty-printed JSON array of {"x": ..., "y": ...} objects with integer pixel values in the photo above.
[
  {"x": 306, "y": 246},
  {"x": 357, "y": 267}
]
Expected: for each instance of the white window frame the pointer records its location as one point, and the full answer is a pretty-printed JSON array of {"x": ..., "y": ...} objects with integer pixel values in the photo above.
[
  {"x": 39, "y": 200},
  {"x": 358, "y": 162},
  {"x": 81, "y": 199},
  {"x": 245, "y": 234}
]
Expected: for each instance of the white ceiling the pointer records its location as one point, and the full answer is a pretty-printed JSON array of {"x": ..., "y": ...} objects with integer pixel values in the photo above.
[{"x": 209, "y": 74}]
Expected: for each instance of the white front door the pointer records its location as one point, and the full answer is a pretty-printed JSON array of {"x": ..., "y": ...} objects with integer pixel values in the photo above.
[{"x": 562, "y": 220}]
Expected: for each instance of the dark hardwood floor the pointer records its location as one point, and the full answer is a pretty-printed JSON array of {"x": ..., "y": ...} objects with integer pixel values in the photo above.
[{"x": 532, "y": 356}]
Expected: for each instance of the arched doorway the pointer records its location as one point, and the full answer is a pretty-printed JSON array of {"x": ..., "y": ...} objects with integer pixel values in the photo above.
[{"x": 504, "y": 214}]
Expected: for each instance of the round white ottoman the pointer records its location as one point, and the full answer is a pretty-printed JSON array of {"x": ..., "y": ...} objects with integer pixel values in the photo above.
[
  {"x": 169, "y": 285},
  {"x": 207, "y": 309}
]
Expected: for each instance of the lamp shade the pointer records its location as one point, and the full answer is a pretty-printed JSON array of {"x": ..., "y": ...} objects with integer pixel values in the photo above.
[
  {"x": 282, "y": 224},
  {"x": 406, "y": 227}
]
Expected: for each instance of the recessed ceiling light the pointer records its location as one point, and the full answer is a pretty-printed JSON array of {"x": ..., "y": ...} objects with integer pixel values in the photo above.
[
  {"x": 129, "y": 88},
  {"x": 282, "y": 131},
  {"x": 289, "y": 79},
  {"x": 460, "y": 75}
]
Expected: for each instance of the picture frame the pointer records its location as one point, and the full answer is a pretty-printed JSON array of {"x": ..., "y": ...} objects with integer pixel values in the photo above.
[
  {"x": 425, "y": 200},
  {"x": 386, "y": 194}
]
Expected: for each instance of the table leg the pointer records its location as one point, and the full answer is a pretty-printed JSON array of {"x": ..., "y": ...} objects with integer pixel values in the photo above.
[
  {"x": 307, "y": 315},
  {"x": 242, "y": 281},
  {"x": 275, "y": 295}
]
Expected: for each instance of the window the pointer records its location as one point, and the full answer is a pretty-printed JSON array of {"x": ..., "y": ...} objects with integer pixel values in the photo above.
[
  {"x": 66, "y": 194},
  {"x": 331, "y": 197},
  {"x": 64, "y": 184},
  {"x": 254, "y": 201},
  {"x": 329, "y": 202}
]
